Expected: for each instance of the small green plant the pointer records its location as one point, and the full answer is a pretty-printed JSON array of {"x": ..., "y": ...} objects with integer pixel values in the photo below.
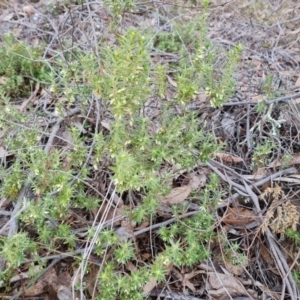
[
  {"x": 262, "y": 154},
  {"x": 296, "y": 276},
  {"x": 118, "y": 7},
  {"x": 293, "y": 235},
  {"x": 234, "y": 256},
  {"x": 21, "y": 67},
  {"x": 21, "y": 245},
  {"x": 269, "y": 89},
  {"x": 286, "y": 161}
]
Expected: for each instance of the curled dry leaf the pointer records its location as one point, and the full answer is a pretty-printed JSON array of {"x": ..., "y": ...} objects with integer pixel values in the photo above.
[{"x": 177, "y": 195}]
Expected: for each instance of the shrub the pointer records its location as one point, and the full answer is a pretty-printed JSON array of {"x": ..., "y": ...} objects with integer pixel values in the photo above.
[{"x": 135, "y": 149}]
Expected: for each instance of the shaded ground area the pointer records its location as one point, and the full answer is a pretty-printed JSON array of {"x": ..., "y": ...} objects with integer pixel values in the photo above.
[{"x": 253, "y": 253}]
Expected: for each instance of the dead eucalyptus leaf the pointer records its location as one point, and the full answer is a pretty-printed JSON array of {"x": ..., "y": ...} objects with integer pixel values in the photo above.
[
  {"x": 24, "y": 275},
  {"x": 8, "y": 17},
  {"x": 109, "y": 212},
  {"x": 237, "y": 270},
  {"x": 106, "y": 125},
  {"x": 171, "y": 81},
  {"x": 91, "y": 280},
  {"x": 224, "y": 284},
  {"x": 197, "y": 181},
  {"x": 186, "y": 280},
  {"x": 3, "y": 80},
  {"x": 177, "y": 195},
  {"x": 124, "y": 234},
  {"x": 229, "y": 158},
  {"x": 130, "y": 266},
  {"x": 267, "y": 291},
  {"x": 79, "y": 125},
  {"x": 29, "y": 10},
  {"x": 3, "y": 152},
  {"x": 298, "y": 81},
  {"x": 64, "y": 293},
  {"x": 239, "y": 216},
  {"x": 42, "y": 284},
  {"x": 228, "y": 124},
  {"x": 149, "y": 286},
  {"x": 293, "y": 159}
]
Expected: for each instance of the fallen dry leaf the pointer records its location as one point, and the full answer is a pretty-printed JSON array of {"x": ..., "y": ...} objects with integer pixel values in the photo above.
[
  {"x": 130, "y": 266},
  {"x": 3, "y": 80},
  {"x": 293, "y": 159},
  {"x": 24, "y": 275},
  {"x": 239, "y": 216},
  {"x": 187, "y": 277},
  {"x": 224, "y": 285},
  {"x": 29, "y": 10},
  {"x": 106, "y": 125},
  {"x": 3, "y": 152},
  {"x": 229, "y": 158},
  {"x": 142, "y": 226},
  {"x": 261, "y": 171},
  {"x": 237, "y": 270},
  {"x": 298, "y": 81},
  {"x": 258, "y": 98},
  {"x": 91, "y": 280},
  {"x": 63, "y": 279},
  {"x": 64, "y": 293},
  {"x": 42, "y": 284},
  {"x": 149, "y": 286},
  {"x": 228, "y": 124},
  {"x": 171, "y": 81},
  {"x": 177, "y": 195},
  {"x": 201, "y": 98},
  {"x": 79, "y": 125},
  {"x": 8, "y": 17},
  {"x": 195, "y": 180},
  {"x": 267, "y": 291},
  {"x": 108, "y": 212}
]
